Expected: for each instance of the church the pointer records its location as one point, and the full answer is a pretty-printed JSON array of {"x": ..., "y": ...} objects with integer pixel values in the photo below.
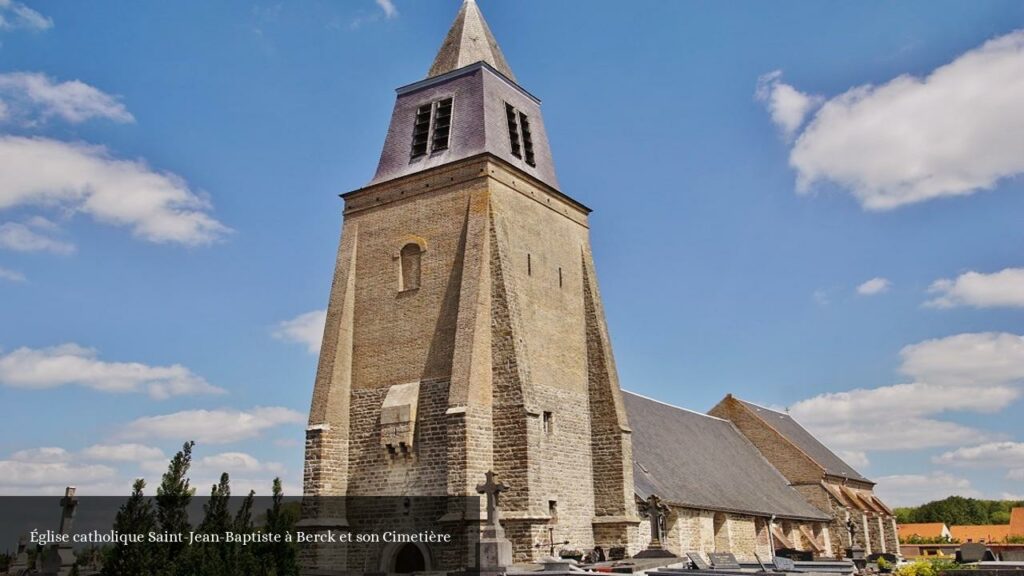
[{"x": 465, "y": 334}]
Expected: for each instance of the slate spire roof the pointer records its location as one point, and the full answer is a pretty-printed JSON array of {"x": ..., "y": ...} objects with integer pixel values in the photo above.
[{"x": 469, "y": 41}]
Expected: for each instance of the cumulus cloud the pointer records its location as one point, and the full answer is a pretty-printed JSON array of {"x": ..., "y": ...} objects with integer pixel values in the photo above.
[
  {"x": 388, "y": 6},
  {"x": 11, "y": 275},
  {"x": 855, "y": 458},
  {"x": 953, "y": 132},
  {"x": 157, "y": 206},
  {"x": 45, "y": 455},
  {"x": 973, "y": 360},
  {"x": 979, "y": 373},
  {"x": 874, "y": 286},
  {"x": 788, "y": 106},
  {"x": 20, "y": 473},
  {"x": 999, "y": 289},
  {"x": 32, "y": 96},
  {"x": 17, "y": 15},
  {"x": 916, "y": 489},
  {"x": 32, "y": 238},
  {"x": 306, "y": 329},
  {"x": 124, "y": 453},
  {"x": 990, "y": 455},
  {"x": 37, "y": 368},
  {"x": 235, "y": 462},
  {"x": 212, "y": 426},
  {"x": 1017, "y": 474}
]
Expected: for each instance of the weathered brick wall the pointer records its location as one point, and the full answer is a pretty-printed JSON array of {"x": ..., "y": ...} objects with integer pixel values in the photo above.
[{"x": 790, "y": 461}]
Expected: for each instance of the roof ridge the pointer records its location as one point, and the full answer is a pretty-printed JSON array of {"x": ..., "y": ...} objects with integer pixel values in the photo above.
[{"x": 655, "y": 400}]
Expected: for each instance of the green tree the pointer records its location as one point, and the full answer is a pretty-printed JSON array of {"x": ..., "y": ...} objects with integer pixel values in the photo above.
[
  {"x": 136, "y": 516},
  {"x": 279, "y": 558},
  {"x": 173, "y": 497}
]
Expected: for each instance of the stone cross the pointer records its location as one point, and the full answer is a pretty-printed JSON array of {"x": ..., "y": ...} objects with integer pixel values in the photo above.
[
  {"x": 492, "y": 490},
  {"x": 67, "y": 504},
  {"x": 655, "y": 510}
]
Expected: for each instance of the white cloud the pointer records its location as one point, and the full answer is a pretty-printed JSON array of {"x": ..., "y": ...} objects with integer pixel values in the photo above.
[
  {"x": 306, "y": 329},
  {"x": 979, "y": 373},
  {"x": 855, "y": 458},
  {"x": 974, "y": 360},
  {"x": 45, "y": 455},
  {"x": 1017, "y": 474},
  {"x": 874, "y": 286},
  {"x": 787, "y": 105},
  {"x": 991, "y": 455},
  {"x": 1003, "y": 288},
  {"x": 158, "y": 207},
  {"x": 73, "y": 364},
  {"x": 951, "y": 133},
  {"x": 11, "y": 275},
  {"x": 916, "y": 489},
  {"x": 17, "y": 15},
  {"x": 124, "y": 453},
  {"x": 235, "y": 462},
  {"x": 212, "y": 426},
  {"x": 388, "y": 6},
  {"x": 18, "y": 473},
  {"x": 26, "y": 238},
  {"x": 32, "y": 96}
]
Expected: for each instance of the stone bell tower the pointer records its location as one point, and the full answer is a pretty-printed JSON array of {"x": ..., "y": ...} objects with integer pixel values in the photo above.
[{"x": 465, "y": 332}]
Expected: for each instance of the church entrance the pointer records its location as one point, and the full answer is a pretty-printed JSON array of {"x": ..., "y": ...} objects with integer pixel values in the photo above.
[{"x": 409, "y": 559}]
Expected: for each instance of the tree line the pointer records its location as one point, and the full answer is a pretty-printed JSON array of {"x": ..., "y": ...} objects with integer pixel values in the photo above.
[{"x": 959, "y": 511}]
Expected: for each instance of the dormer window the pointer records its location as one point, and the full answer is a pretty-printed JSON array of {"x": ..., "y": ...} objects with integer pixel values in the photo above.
[
  {"x": 519, "y": 135},
  {"x": 432, "y": 127}
]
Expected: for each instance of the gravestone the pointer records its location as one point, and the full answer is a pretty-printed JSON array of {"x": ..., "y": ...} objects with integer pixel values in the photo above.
[
  {"x": 495, "y": 550},
  {"x": 974, "y": 552},
  {"x": 724, "y": 561},
  {"x": 784, "y": 564},
  {"x": 656, "y": 512},
  {"x": 698, "y": 561}
]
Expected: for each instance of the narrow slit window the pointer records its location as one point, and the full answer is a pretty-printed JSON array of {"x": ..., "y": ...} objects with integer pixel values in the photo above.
[
  {"x": 442, "y": 125},
  {"x": 548, "y": 421},
  {"x": 421, "y": 131},
  {"x": 513, "y": 131},
  {"x": 409, "y": 260},
  {"x": 529, "y": 265},
  {"x": 524, "y": 127},
  {"x": 559, "y": 276}
]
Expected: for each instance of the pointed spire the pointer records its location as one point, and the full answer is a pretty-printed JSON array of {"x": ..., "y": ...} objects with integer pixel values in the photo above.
[{"x": 469, "y": 41}]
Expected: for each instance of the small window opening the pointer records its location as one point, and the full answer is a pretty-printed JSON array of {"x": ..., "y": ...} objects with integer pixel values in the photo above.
[
  {"x": 559, "y": 276},
  {"x": 421, "y": 131},
  {"x": 529, "y": 265},
  {"x": 410, "y": 263},
  {"x": 442, "y": 125},
  {"x": 524, "y": 126},
  {"x": 548, "y": 422},
  {"x": 513, "y": 131},
  {"x": 553, "y": 510}
]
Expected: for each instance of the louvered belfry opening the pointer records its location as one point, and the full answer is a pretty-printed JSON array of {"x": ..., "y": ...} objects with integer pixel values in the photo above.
[
  {"x": 421, "y": 131},
  {"x": 513, "y": 130},
  {"x": 524, "y": 127},
  {"x": 442, "y": 125}
]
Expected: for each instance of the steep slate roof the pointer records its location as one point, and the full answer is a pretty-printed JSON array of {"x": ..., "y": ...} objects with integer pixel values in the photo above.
[
  {"x": 697, "y": 461},
  {"x": 469, "y": 41},
  {"x": 785, "y": 425}
]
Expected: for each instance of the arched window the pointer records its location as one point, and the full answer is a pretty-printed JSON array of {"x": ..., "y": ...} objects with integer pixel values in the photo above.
[{"x": 410, "y": 263}]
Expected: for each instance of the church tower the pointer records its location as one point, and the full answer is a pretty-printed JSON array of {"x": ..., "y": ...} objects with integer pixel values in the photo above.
[{"x": 465, "y": 331}]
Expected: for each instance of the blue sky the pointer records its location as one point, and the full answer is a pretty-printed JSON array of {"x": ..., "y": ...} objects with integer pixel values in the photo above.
[{"x": 814, "y": 206}]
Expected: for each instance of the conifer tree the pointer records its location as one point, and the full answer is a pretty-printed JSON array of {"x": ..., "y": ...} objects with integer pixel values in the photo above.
[{"x": 136, "y": 516}]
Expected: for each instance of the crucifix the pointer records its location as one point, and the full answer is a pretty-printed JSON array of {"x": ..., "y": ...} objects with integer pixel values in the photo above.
[
  {"x": 656, "y": 511},
  {"x": 67, "y": 504},
  {"x": 492, "y": 489}
]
